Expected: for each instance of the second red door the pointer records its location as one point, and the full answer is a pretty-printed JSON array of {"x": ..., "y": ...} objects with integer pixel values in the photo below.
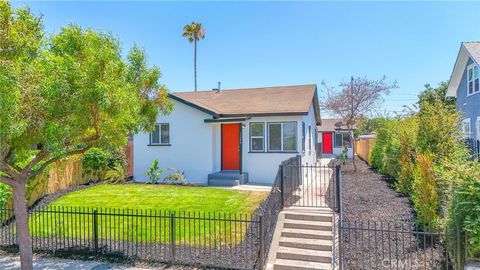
[{"x": 327, "y": 143}]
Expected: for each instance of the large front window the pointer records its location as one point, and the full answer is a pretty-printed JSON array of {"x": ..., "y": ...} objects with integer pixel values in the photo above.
[
  {"x": 473, "y": 79},
  {"x": 342, "y": 139},
  {"x": 282, "y": 137}
]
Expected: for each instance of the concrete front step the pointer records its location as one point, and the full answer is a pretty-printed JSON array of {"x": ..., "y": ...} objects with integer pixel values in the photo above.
[
  {"x": 299, "y": 254},
  {"x": 282, "y": 264},
  {"x": 313, "y": 244},
  {"x": 227, "y": 178},
  {"x": 309, "y": 216},
  {"x": 223, "y": 182},
  {"x": 308, "y": 225},
  {"x": 307, "y": 234}
]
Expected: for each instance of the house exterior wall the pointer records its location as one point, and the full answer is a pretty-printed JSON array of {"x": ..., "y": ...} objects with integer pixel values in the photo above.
[
  {"x": 191, "y": 146},
  {"x": 262, "y": 166},
  {"x": 335, "y": 150},
  {"x": 469, "y": 105},
  {"x": 196, "y": 147}
]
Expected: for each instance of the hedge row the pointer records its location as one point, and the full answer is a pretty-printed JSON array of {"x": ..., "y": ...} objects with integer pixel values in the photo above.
[{"x": 425, "y": 155}]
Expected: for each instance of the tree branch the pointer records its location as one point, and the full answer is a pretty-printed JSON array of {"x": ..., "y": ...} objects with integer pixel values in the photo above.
[
  {"x": 6, "y": 169},
  {"x": 7, "y": 180},
  {"x": 50, "y": 161},
  {"x": 43, "y": 154}
]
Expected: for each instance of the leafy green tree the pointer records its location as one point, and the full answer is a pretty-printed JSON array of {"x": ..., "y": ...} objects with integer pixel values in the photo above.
[
  {"x": 194, "y": 33},
  {"x": 62, "y": 95},
  {"x": 433, "y": 95},
  {"x": 367, "y": 125}
]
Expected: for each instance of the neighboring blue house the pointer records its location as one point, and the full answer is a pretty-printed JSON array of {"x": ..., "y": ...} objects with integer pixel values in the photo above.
[{"x": 465, "y": 86}]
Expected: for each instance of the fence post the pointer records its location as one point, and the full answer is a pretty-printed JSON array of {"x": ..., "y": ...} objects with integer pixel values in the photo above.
[
  {"x": 458, "y": 247},
  {"x": 172, "y": 239},
  {"x": 282, "y": 186},
  {"x": 337, "y": 187},
  {"x": 262, "y": 242},
  {"x": 95, "y": 231}
]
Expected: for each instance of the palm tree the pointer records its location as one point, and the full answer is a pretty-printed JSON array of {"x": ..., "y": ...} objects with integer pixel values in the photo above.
[{"x": 194, "y": 32}]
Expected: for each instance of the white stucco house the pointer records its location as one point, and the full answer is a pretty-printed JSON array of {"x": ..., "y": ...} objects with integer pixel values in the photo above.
[
  {"x": 230, "y": 137},
  {"x": 333, "y": 137}
]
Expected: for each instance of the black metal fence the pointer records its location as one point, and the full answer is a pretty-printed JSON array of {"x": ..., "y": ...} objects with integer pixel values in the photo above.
[
  {"x": 374, "y": 244},
  {"x": 193, "y": 238},
  {"x": 308, "y": 185},
  {"x": 392, "y": 245},
  {"x": 219, "y": 240}
]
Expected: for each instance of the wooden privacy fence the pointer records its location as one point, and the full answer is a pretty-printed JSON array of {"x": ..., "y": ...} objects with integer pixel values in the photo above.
[
  {"x": 363, "y": 148},
  {"x": 62, "y": 174}
]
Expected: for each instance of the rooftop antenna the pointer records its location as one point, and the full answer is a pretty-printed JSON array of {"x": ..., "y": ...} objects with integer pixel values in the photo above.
[{"x": 217, "y": 89}]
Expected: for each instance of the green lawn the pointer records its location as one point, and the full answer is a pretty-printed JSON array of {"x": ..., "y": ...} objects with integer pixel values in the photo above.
[{"x": 214, "y": 204}]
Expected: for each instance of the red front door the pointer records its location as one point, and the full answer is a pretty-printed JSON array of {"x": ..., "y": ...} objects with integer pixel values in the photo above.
[
  {"x": 327, "y": 143},
  {"x": 230, "y": 146}
]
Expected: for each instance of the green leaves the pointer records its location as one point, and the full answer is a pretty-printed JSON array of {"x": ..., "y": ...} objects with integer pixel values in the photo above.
[
  {"x": 154, "y": 172},
  {"x": 73, "y": 90}
]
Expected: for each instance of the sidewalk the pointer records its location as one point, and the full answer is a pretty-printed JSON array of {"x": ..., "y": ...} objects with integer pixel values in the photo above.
[{"x": 13, "y": 263}]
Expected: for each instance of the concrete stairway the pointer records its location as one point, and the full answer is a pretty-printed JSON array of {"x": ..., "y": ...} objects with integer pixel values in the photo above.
[
  {"x": 304, "y": 240},
  {"x": 227, "y": 178}
]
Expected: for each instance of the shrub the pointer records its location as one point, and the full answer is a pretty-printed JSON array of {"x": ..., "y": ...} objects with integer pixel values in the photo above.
[
  {"x": 425, "y": 195},
  {"x": 464, "y": 201},
  {"x": 407, "y": 139},
  {"x": 115, "y": 175},
  {"x": 376, "y": 158},
  {"x": 154, "y": 172},
  {"x": 176, "y": 178},
  {"x": 104, "y": 164},
  {"x": 343, "y": 155}
]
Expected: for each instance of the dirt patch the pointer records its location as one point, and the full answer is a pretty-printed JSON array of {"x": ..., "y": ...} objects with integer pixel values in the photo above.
[{"x": 368, "y": 195}]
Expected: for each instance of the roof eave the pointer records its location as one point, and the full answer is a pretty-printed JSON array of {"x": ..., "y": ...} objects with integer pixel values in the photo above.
[
  {"x": 457, "y": 72},
  {"x": 193, "y": 105}
]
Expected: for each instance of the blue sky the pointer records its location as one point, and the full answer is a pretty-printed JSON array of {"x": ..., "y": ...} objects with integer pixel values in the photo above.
[{"x": 252, "y": 44}]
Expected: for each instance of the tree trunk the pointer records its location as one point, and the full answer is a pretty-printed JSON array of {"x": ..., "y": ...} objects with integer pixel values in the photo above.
[
  {"x": 353, "y": 151},
  {"x": 195, "y": 64},
  {"x": 21, "y": 217}
]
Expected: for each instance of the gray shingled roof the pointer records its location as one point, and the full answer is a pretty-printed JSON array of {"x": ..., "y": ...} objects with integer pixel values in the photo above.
[
  {"x": 291, "y": 100},
  {"x": 473, "y": 49},
  {"x": 332, "y": 125}
]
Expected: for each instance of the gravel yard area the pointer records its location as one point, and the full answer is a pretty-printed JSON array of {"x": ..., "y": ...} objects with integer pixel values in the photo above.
[
  {"x": 379, "y": 230},
  {"x": 368, "y": 195}
]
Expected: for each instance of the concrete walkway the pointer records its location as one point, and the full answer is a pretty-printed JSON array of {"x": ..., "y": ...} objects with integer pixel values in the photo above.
[{"x": 251, "y": 187}]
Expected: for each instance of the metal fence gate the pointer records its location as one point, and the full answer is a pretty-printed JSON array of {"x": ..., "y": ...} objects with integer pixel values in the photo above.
[{"x": 309, "y": 185}]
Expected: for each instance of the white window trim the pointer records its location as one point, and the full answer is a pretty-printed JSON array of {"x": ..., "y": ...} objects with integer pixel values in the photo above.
[
  {"x": 160, "y": 135},
  {"x": 257, "y": 137},
  {"x": 310, "y": 138},
  {"x": 281, "y": 137},
  {"x": 478, "y": 127},
  {"x": 335, "y": 139},
  {"x": 466, "y": 122},
  {"x": 475, "y": 91}
]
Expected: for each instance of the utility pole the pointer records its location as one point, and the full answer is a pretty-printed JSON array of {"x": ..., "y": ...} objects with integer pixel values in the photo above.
[{"x": 350, "y": 124}]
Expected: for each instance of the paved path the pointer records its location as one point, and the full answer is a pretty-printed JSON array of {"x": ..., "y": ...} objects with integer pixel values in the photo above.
[{"x": 13, "y": 263}]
